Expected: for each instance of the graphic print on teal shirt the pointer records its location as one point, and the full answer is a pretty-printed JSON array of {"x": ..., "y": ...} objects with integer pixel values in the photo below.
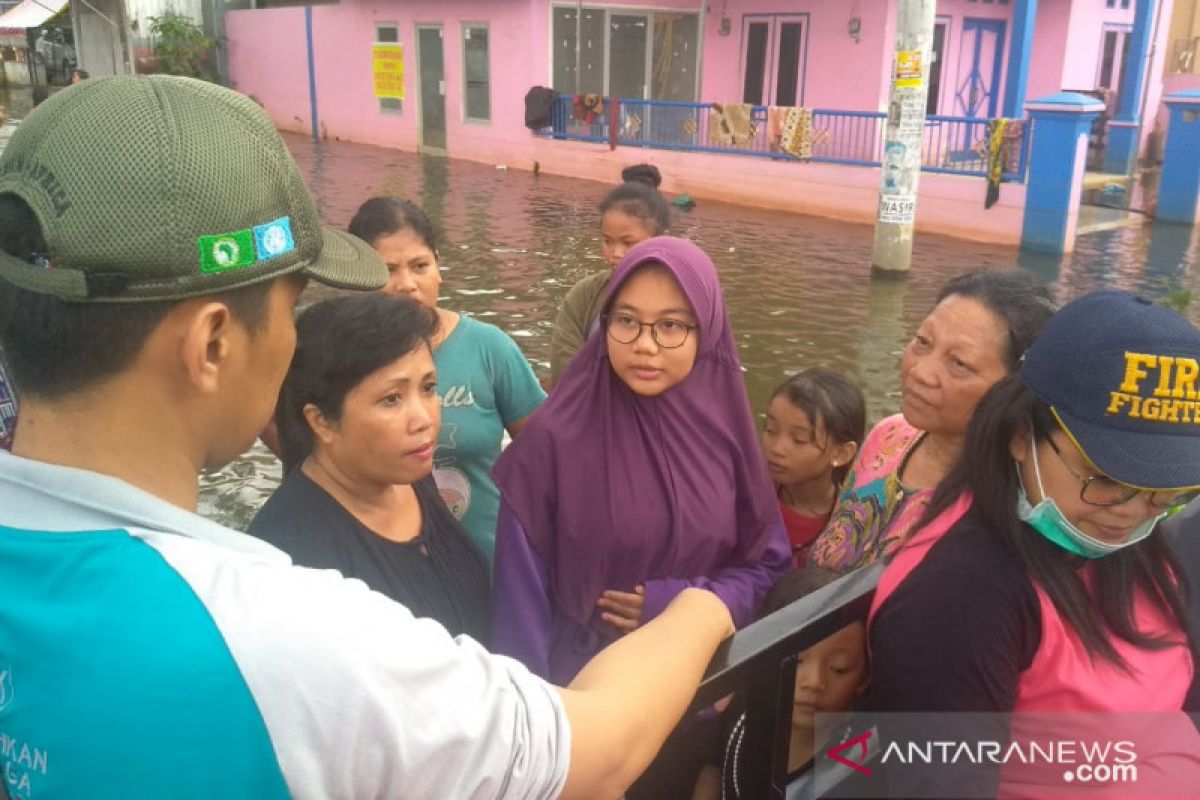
[
  {"x": 109, "y": 658},
  {"x": 485, "y": 384}
]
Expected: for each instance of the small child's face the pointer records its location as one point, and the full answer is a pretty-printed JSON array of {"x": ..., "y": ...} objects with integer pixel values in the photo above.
[
  {"x": 619, "y": 232},
  {"x": 829, "y": 675},
  {"x": 796, "y": 451}
]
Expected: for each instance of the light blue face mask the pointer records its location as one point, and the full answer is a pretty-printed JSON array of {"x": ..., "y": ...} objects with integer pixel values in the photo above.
[{"x": 1047, "y": 519}]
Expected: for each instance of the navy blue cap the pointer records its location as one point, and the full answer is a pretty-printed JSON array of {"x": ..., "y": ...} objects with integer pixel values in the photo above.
[{"x": 1122, "y": 375}]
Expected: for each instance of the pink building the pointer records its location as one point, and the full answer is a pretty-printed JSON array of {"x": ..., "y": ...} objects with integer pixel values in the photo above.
[{"x": 467, "y": 65}]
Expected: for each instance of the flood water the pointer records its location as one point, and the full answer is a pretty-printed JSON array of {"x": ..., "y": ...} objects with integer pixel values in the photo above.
[{"x": 799, "y": 288}]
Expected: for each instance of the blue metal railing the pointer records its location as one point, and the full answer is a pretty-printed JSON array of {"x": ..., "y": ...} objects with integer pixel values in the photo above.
[{"x": 951, "y": 145}]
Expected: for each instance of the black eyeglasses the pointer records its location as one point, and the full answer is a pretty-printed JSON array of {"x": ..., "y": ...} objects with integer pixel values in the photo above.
[
  {"x": 666, "y": 333},
  {"x": 1101, "y": 490}
]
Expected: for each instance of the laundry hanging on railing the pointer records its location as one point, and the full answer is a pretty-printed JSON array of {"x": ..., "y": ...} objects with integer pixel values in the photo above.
[
  {"x": 775, "y": 119},
  {"x": 996, "y": 156},
  {"x": 797, "y": 136},
  {"x": 587, "y": 107},
  {"x": 730, "y": 125}
]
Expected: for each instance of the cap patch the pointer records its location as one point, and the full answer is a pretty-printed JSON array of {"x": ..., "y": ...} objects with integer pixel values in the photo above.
[
  {"x": 1158, "y": 388},
  {"x": 226, "y": 251},
  {"x": 274, "y": 238}
]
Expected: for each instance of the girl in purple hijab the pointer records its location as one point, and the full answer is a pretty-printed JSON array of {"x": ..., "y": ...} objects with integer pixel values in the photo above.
[{"x": 640, "y": 476}]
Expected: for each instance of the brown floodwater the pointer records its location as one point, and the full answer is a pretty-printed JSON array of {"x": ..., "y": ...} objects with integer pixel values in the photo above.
[{"x": 799, "y": 289}]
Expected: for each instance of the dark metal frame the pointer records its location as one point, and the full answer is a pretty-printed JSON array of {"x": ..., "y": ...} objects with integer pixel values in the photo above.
[{"x": 759, "y": 662}]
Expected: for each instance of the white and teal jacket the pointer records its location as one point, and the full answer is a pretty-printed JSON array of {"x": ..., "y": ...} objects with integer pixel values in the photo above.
[{"x": 146, "y": 652}]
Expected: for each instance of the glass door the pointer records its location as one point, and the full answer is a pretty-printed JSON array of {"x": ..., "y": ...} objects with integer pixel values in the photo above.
[
  {"x": 431, "y": 62},
  {"x": 628, "y": 52}
]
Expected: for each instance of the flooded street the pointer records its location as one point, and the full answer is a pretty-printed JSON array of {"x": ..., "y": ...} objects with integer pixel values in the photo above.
[{"x": 799, "y": 288}]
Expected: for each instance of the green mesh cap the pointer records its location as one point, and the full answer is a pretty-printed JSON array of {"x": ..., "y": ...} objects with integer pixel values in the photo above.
[{"x": 161, "y": 188}]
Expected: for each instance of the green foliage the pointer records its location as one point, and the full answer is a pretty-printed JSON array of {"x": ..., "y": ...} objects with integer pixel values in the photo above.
[
  {"x": 1178, "y": 300},
  {"x": 180, "y": 47}
]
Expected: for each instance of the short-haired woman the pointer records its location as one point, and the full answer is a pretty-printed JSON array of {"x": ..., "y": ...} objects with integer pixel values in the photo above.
[{"x": 358, "y": 421}]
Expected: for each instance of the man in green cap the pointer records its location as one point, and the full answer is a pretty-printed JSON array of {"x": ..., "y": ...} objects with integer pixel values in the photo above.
[{"x": 154, "y": 238}]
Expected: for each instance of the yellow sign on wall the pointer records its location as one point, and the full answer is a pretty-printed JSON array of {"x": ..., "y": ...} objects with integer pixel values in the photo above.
[{"x": 387, "y": 67}]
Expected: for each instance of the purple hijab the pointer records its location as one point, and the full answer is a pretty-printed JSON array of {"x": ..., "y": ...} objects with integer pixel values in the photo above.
[{"x": 614, "y": 489}]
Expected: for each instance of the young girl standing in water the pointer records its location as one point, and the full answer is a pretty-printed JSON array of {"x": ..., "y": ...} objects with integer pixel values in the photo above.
[{"x": 815, "y": 422}]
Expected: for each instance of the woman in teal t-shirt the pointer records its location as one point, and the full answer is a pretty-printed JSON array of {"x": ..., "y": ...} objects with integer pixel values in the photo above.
[{"x": 485, "y": 383}]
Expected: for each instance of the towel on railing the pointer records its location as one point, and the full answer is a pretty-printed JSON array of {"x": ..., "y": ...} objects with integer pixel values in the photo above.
[
  {"x": 586, "y": 107},
  {"x": 729, "y": 124},
  {"x": 797, "y": 133},
  {"x": 995, "y": 159},
  {"x": 775, "y": 119}
]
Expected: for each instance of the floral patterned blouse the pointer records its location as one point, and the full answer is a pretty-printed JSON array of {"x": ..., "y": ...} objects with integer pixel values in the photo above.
[{"x": 875, "y": 513}]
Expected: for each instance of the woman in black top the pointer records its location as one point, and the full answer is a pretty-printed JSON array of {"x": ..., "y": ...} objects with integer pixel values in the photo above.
[{"x": 358, "y": 420}]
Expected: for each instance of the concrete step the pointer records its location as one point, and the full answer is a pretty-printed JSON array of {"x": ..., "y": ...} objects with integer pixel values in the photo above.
[{"x": 1094, "y": 219}]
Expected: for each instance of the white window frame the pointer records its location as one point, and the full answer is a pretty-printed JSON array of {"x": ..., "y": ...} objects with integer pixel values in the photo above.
[
  {"x": 1119, "y": 52},
  {"x": 466, "y": 26},
  {"x": 774, "y": 21}
]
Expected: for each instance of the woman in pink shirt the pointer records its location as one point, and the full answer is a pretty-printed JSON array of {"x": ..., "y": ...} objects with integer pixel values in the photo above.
[{"x": 1054, "y": 592}]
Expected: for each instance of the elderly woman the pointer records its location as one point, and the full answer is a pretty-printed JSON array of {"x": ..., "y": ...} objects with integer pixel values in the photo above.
[
  {"x": 1069, "y": 606},
  {"x": 358, "y": 420},
  {"x": 981, "y": 325}
]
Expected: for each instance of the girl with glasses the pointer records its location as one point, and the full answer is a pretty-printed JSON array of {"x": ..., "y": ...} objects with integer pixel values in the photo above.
[
  {"x": 640, "y": 476},
  {"x": 1055, "y": 592},
  {"x": 631, "y": 213}
]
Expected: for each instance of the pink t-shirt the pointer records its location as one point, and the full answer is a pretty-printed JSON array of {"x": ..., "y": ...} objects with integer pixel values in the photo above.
[{"x": 1073, "y": 695}]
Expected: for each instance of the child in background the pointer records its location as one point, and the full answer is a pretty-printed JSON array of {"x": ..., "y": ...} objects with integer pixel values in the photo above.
[
  {"x": 830, "y": 675},
  {"x": 631, "y": 213},
  {"x": 815, "y": 422}
]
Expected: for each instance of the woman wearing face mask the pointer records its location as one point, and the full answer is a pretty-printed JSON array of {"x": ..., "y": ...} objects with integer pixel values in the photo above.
[{"x": 1054, "y": 592}]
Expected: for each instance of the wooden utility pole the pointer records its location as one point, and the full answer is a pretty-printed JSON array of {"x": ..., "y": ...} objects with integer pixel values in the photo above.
[{"x": 892, "y": 253}]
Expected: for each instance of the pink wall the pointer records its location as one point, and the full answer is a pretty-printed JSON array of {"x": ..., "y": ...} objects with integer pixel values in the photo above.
[
  {"x": 277, "y": 75},
  {"x": 1046, "y": 64},
  {"x": 840, "y": 74},
  {"x": 1084, "y": 39},
  {"x": 268, "y": 59},
  {"x": 342, "y": 38}
]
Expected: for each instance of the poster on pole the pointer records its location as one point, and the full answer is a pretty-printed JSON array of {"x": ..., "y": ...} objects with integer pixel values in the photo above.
[
  {"x": 911, "y": 117},
  {"x": 899, "y": 209},
  {"x": 908, "y": 69},
  {"x": 387, "y": 70}
]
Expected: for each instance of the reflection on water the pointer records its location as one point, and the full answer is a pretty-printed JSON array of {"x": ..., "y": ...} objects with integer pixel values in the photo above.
[{"x": 798, "y": 288}]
